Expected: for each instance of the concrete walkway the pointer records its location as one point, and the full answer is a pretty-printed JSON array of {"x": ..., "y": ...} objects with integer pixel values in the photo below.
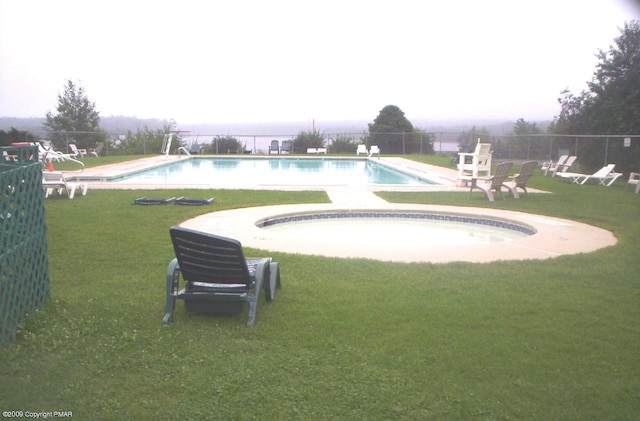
[{"x": 354, "y": 197}]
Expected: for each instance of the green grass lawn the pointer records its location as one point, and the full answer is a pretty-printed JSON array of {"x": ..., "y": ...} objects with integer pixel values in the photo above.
[{"x": 345, "y": 339}]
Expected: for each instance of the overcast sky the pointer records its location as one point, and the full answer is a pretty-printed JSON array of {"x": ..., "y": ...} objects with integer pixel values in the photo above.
[{"x": 240, "y": 61}]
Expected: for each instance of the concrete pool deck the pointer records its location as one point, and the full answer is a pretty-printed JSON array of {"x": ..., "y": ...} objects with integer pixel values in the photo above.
[{"x": 554, "y": 237}]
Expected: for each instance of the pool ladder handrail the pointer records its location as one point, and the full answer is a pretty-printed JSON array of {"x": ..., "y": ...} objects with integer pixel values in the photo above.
[{"x": 166, "y": 146}]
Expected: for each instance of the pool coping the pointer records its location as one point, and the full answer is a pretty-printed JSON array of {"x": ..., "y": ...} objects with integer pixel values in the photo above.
[
  {"x": 97, "y": 176},
  {"x": 555, "y": 236}
]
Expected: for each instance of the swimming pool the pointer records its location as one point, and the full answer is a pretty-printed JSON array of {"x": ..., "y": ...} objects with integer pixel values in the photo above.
[{"x": 275, "y": 172}]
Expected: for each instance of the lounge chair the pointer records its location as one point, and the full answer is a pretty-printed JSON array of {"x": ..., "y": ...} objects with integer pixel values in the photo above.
[
  {"x": 552, "y": 166},
  {"x": 605, "y": 176},
  {"x": 312, "y": 150},
  {"x": 375, "y": 150},
  {"x": 634, "y": 178},
  {"x": 275, "y": 146},
  {"x": 495, "y": 182},
  {"x": 55, "y": 181},
  {"x": 49, "y": 155},
  {"x": 218, "y": 279},
  {"x": 362, "y": 149},
  {"x": 519, "y": 181},
  {"x": 321, "y": 151},
  {"x": 98, "y": 149},
  {"x": 564, "y": 167},
  {"x": 75, "y": 152},
  {"x": 480, "y": 162}
]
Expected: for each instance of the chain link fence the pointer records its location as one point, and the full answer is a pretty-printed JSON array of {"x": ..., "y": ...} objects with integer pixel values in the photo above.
[{"x": 593, "y": 151}]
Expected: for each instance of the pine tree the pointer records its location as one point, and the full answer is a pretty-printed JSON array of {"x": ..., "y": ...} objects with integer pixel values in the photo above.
[{"x": 77, "y": 120}]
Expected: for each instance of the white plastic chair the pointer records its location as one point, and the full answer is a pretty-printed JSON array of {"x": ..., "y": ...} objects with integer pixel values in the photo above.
[{"x": 480, "y": 162}]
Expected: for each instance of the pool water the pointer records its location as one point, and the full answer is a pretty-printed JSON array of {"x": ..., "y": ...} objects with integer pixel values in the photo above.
[
  {"x": 408, "y": 230},
  {"x": 275, "y": 171}
]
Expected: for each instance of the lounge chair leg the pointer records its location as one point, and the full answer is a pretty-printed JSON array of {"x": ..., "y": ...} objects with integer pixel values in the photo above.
[
  {"x": 278, "y": 284},
  {"x": 173, "y": 275},
  {"x": 274, "y": 281},
  {"x": 262, "y": 273},
  {"x": 253, "y": 310}
]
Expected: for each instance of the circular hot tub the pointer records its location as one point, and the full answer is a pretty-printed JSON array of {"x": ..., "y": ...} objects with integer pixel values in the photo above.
[
  {"x": 403, "y": 232},
  {"x": 396, "y": 228}
]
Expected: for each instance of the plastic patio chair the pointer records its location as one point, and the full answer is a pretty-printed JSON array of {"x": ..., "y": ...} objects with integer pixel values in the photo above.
[
  {"x": 552, "y": 166},
  {"x": 493, "y": 183},
  {"x": 55, "y": 181},
  {"x": 275, "y": 146},
  {"x": 480, "y": 162},
  {"x": 519, "y": 181},
  {"x": 218, "y": 279},
  {"x": 634, "y": 179}
]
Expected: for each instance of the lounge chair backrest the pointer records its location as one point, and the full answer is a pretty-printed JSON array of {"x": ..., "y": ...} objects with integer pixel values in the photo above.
[
  {"x": 209, "y": 258},
  {"x": 286, "y": 146},
  {"x": 565, "y": 165},
  {"x": 569, "y": 162},
  {"x": 604, "y": 171},
  {"x": 502, "y": 172}
]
